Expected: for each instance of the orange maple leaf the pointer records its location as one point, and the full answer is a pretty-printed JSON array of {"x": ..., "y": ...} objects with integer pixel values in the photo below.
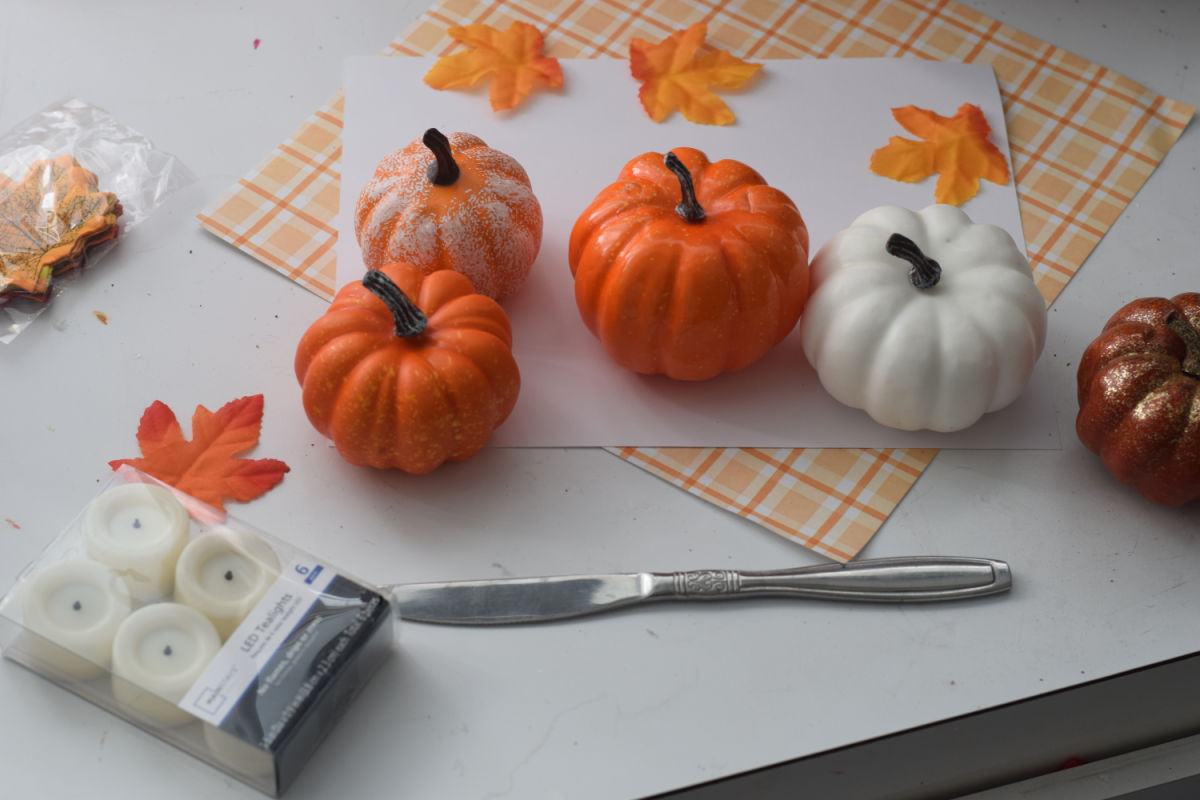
[
  {"x": 957, "y": 148},
  {"x": 205, "y": 467},
  {"x": 47, "y": 220},
  {"x": 674, "y": 77},
  {"x": 512, "y": 57}
]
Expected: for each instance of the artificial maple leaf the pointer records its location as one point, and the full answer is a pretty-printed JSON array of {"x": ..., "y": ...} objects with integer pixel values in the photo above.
[
  {"x": 957, "y": 148},
  {"x": 512, "y": 57},
  {"x": 674, "y": 77},
  {"x": 205, "y": 467},
  {"x": 47, "y": 220}
]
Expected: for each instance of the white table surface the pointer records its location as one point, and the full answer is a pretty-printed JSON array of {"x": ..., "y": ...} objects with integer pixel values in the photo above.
[{"x": 624, "y": 705}]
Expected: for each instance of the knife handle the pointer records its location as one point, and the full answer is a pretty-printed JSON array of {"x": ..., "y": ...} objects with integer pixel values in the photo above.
[{"x": 907, "y": 579}]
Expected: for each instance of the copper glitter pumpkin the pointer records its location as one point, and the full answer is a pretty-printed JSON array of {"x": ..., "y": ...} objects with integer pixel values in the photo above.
[{"x": 1139, "y": 397}]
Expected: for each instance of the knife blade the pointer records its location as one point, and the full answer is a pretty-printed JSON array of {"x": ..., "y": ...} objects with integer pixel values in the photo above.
[{"x": 516, "y": 600}]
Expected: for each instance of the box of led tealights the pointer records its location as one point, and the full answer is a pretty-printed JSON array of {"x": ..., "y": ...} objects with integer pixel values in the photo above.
[{"x": 215, "y": 637}]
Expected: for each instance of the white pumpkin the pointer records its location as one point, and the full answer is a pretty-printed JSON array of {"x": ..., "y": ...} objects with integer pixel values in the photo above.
[{"x": 935, "y": 358}]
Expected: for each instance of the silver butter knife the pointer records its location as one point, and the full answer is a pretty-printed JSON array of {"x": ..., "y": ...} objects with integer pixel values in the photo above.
[{"x": 512, "y": 600}]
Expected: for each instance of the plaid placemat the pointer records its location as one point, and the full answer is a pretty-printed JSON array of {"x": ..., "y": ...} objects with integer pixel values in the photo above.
[{"x": 1083, "y": 141}]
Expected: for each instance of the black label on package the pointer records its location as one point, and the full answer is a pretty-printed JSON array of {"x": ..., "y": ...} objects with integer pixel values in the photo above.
[{"x": 312, "y": 673}]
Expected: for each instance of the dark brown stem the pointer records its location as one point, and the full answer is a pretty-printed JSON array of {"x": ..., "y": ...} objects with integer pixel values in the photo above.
[
  {"x": 1191, "y": 338},
  {"x": 410, "y": 320},
  {"x": 925, "y": 272},
  {"x": 444, "y": 171},
  {"x": 689, "y": 208}
]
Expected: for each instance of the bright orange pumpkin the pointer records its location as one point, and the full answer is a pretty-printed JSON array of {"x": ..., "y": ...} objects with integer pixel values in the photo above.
[
  {"x": 689, "y": 268},
  {"x": 408, "y": 383},
  {"x": 452, "y": 203}
]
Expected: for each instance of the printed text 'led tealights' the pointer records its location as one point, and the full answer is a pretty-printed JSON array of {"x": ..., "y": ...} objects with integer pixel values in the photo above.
[
  {"x": 158, "y": 653},
  {"x": 74, "y": 609},
  {"x": 139, "y": 530},
  {"x": 223, "y": 573}
]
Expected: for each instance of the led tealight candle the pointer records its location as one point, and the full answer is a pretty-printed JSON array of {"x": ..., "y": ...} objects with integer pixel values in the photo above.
[
  {"x": 74, "y": 609},
  {"x": 138, "y": 529},
  {"x": 223, "y": 573},
  {"x": 158, "y": 653}
]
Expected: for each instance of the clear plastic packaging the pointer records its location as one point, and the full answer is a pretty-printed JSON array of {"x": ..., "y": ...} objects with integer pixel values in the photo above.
[
  {"x": 218, "y": 638},
  {"x": 71, "y": 179}
]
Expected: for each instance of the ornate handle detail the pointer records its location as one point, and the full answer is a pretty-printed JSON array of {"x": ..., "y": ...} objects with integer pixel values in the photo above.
[
  {"x": 707, "y": 581},
  {"x": 880, "y": 580}
]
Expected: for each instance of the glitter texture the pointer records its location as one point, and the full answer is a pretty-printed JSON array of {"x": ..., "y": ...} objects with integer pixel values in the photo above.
[{"x": 1139, "y": 401}]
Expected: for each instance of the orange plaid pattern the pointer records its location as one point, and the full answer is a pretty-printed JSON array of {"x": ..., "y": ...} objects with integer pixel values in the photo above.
[
  {"x": 283, "y": 212},
  {"x": 1083, "y": 141}
]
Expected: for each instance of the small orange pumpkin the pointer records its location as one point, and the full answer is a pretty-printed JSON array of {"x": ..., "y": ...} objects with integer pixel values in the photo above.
[
  {"x": 688, "y": 268},
  {"x": 452, "y": 203},
  {"x": 408, "y": 383}
]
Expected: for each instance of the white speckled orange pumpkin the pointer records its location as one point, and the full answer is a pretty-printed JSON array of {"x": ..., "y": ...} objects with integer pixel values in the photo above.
[{"x": 452, "y": 202}]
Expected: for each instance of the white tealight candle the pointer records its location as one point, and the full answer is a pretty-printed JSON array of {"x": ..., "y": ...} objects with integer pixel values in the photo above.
[
  {"x": 223, "y": 573},
  {"x": 74, "y": 608},
  {"x": 138, "y": 529},
  {"x": 158, "y": 653}
]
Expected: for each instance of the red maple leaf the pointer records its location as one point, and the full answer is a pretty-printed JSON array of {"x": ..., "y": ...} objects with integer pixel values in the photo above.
[{"x": 206, "y": 467}]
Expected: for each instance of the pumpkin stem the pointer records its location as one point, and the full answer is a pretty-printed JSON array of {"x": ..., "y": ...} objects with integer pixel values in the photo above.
[
  {"x": 1191, "y": 337},
  {"x": 925, "y": 272},
  {"x": 444, "y": 171},
  {"x": 410, "y": 320},
  {"x": 689, "y": 208}
]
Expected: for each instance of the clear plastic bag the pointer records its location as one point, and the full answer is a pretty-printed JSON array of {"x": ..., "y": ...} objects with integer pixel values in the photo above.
[{"x": 56, "y": 215}]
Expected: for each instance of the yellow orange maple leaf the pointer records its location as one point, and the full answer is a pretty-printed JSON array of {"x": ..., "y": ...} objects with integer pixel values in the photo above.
[
  {"x": 959, "y": 149},
  {"x": 513, "y": 57},
  {"x": 674, "y": 77}
]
